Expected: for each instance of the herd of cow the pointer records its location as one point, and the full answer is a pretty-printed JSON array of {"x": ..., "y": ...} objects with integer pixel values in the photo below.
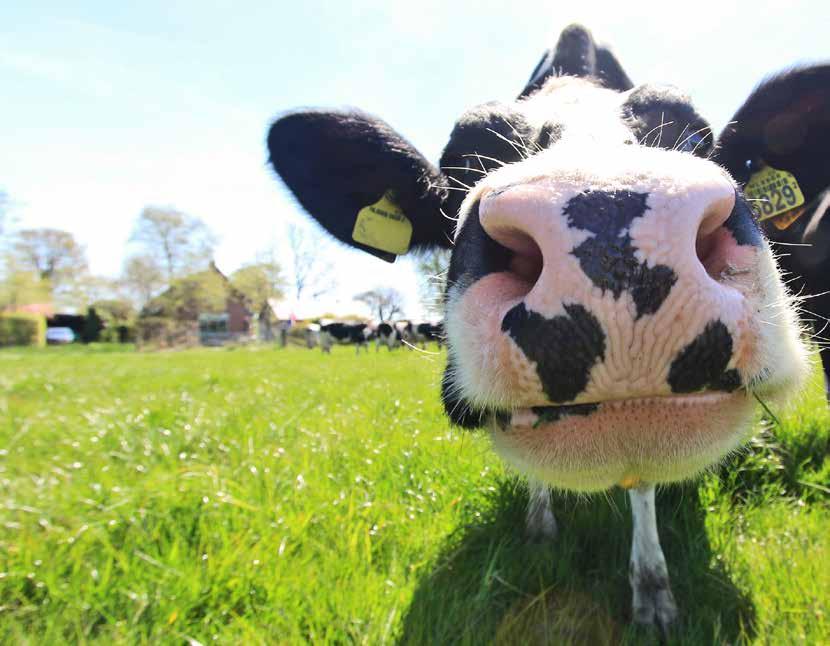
[{"x": 392, "y": 334}]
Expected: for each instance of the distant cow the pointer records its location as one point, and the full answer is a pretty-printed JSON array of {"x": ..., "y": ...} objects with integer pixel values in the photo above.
[
  {"x": 312, "y": 335},
  {"x": 422, "y": 333},
  {"x": 612, "y": 308},
  {"x": 386, "y": 334},
  {"x": 345, "y": 334}
]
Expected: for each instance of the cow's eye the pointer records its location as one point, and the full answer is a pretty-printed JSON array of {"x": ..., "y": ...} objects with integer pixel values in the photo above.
[{"x": 692, "y": 143}]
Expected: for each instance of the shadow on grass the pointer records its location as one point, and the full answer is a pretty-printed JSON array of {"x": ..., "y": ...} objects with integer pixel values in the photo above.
[{"x": 490, "y": 585}]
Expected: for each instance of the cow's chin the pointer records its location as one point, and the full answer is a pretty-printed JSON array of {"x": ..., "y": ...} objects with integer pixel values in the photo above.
[{"x": 592, "y": 447}]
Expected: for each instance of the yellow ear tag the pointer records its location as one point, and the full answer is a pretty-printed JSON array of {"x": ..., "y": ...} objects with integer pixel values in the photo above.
[
  {"x": 774, "y": 193},
  {"x": 384, "y": 226}
]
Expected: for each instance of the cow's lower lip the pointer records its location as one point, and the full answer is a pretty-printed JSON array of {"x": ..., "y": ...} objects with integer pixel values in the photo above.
[{"x": 595, "y": 446}]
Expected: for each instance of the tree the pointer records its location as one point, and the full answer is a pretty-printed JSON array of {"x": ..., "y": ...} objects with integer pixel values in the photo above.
[
  {"x": 385, "y": 301},
  {"x": 56, "y": 259},
  {"x": 53, "y": 254},
  {"x": 259, "y": 281},
  {"x": 4, "y": 208},
  {"x": 176, "y": 242},
  {"x": 142, "y": 278},
  {"x": 115, "y": 310},
  {"x": 313, "y": 274},
  {"x": 201, "y": 293},
  {"x": 23, "y": 288},
  {"x": 432, "y": 269},
  {"x": 93, "y": 324}
]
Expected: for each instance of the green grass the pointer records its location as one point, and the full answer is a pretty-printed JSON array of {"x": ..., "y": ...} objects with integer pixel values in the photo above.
[{"x": 267, "y": 496}]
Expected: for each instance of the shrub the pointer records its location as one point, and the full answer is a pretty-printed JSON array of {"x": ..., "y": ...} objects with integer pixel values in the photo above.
[{"x": 22, "y": 329}]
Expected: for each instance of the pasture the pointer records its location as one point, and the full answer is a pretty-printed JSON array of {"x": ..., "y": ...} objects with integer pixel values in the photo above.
[{"x": 282, "y": 496}]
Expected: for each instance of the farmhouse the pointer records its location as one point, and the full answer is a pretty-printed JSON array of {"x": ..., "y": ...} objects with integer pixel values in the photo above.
[{"x": 200, "y": 308}]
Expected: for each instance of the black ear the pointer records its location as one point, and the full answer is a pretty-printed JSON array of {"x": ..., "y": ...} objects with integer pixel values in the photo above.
[
  {"x": 784, "y": 124},
  {"x": 339, "y": 164},
  {"x": 576, "y": 54}
]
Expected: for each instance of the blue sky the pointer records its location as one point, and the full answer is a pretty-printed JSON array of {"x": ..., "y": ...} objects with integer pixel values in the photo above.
[{"x": 109, "y": 107}]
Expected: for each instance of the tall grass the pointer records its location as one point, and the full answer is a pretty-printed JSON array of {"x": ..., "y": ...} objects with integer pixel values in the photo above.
[{"x": 282, "y": 496}]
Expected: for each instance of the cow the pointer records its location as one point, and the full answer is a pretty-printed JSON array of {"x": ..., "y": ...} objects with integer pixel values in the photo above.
[
  {"x": 312, "y": 335},
  {"x": 386, "y": 334},
  {"x": 426, "y": 332},
  {"x": 612, "y": 309},
  {"x": 345, "y": 333},
  {"x": 421, "y": 333}
]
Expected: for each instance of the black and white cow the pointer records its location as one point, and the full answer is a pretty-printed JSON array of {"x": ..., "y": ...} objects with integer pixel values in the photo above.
[
  {"x": 612, "y": 308},
  {"x": 341, "y": 333},
  {"x": 423, "y": 333},
  {"x": 386, "y": 334}
]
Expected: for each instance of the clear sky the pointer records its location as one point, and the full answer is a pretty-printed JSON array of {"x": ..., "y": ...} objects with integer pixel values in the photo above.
[{"x": 110, "y": 106}]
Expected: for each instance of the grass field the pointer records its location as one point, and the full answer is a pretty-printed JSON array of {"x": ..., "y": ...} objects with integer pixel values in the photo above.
[{"x": 267, "y": 496}]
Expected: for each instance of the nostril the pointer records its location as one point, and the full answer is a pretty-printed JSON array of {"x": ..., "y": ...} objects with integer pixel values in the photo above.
[
  {"x": 504, "y": 219},
  {"x": 712, "y": 252},
  {"x": 526, "y": 261},
  {"x": 715, "y": 245}
]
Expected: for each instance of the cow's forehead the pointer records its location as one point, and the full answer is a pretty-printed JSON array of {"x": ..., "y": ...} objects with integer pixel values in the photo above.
[{"x": 577, "y": 107}]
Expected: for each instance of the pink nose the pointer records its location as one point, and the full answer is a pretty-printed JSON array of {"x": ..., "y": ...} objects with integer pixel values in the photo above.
[{"x": 578, "y": 245}]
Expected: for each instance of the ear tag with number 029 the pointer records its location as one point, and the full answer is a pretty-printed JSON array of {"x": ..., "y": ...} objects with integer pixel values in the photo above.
[
  {"x": 383, "y": 225},
  {"x": 775, "y": 194}
]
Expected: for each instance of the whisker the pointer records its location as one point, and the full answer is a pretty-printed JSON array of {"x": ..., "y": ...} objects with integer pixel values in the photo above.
[
  {"x": 464, "y": 168},
  {"x": 458, "y": 181}
]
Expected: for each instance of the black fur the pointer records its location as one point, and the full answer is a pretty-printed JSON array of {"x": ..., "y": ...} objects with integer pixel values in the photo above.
[
  {"x": 564, "y": 348},
  {"x": 576, "y": 54},
  {"x": 785, "y": 123},
  {"x": 336, "y": 163},
  {"x": 608, "y": 257},
  {"x": 475, "y": 254},
  {"x": 664, "y": 117},
  {"x": 460, "y": 411},
  {"x": 701, "y": 365},
  {"x": 483, "y": 139}
]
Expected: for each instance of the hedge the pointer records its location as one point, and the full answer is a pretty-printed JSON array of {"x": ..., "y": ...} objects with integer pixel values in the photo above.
[{"x": 22, "y": 329}]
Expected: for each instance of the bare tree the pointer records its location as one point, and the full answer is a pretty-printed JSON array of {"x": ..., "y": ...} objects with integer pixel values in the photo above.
[
  {"x": 386, "y": 302},
  {"x": 177, "y": 242},
  {"x": 312, "y": 273},
  {"x": 142, "y": 278},
  {"x": 432, "y": 269}
]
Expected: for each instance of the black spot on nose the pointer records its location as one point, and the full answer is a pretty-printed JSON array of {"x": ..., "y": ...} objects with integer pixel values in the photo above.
[
  {"x": 608, "y": 257},
  {"x": 701, "y": 365},
  {"x": 564, "y": 347}
]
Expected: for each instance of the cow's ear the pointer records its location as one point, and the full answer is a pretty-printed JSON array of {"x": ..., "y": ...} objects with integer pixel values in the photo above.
[
  {"x": 785, "y": 125},
  {"x": 361, "y": 180}
]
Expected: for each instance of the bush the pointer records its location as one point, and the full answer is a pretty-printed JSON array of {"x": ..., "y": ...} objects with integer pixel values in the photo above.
[
  {"x": 22, "y": 329},
  {"x": 115, "y": 333}
]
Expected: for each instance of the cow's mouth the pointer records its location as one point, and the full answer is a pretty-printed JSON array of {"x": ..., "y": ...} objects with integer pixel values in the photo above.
[
  {"x": 598, "y": 445},
  {"x": 537, "y": 416}
]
